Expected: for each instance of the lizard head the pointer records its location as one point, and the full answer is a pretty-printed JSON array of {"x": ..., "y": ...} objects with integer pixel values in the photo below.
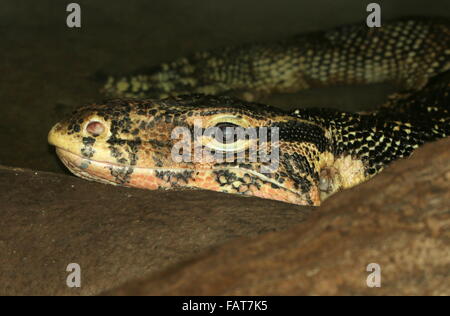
[{"x": 214, "y": 143}]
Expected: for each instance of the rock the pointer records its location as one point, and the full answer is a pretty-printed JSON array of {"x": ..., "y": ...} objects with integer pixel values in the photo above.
[
  {"x": 399, "y": 220},
  {"x": 116, "y": 234}
]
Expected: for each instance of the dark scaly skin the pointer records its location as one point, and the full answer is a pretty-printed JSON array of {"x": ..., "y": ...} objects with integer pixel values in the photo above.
[
  {"x": 320, "y": 151},
  {"x": 406, "y": 52}
]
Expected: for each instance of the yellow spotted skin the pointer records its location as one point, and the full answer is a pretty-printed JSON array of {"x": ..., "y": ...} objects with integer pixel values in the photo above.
[
  {"x": 406, "y": 52},
  {"x": 320, "y": 151}
]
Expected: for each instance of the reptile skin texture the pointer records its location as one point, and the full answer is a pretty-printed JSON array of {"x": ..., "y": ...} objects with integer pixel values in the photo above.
[{"x": 129, "y": 140}]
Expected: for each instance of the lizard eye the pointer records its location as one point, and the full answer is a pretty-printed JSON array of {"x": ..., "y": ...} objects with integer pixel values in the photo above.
[
  {"x": 226, "y": 137},
  {"x": 95, "y": 128},
  {"x": 229, "y": 133}
]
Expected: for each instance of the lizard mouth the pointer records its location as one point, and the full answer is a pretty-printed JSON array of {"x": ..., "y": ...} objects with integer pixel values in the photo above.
[
  {"x": 82, "y": 167},
  {"x": 229, "y": 180}
]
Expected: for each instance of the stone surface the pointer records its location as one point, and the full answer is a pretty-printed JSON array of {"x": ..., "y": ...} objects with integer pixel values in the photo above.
[
  {"x": 399, "y": 220},
  {"x": 49, "y": 220},
  {"x": 176, "y": 242}
]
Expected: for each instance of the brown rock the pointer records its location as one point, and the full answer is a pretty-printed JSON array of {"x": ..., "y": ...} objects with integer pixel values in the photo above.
[
  {"x": 399, "y": 220},
  {"x": 116, "y": 234}
]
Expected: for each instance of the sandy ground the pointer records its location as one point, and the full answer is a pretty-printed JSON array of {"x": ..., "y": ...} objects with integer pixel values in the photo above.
[{"x": 47, "y": 69}]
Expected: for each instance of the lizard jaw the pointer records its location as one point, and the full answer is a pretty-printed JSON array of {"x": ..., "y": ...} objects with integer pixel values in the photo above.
[{"x": 231, "y": 180}]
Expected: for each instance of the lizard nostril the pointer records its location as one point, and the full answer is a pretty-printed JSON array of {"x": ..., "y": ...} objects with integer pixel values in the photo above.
[{"x": 95, "y": 128}]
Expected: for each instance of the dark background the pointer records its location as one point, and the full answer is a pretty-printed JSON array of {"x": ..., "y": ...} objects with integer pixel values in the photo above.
[{"x": 47, "y": 69}]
